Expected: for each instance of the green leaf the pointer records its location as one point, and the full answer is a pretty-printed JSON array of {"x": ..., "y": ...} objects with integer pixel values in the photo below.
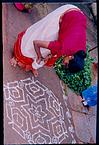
[{"x": 78, "y": 81}]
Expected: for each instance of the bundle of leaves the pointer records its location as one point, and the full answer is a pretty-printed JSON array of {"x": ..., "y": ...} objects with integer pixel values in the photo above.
[{"x": 76, "y": 81}]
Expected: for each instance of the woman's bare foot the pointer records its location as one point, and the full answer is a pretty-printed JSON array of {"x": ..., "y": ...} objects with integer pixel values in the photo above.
[
  {"x": 13, "y": 61},
  {"x": 35, "y": 72}
]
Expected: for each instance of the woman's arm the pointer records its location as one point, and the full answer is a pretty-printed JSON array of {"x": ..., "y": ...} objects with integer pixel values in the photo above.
[{"x": 37, "y": 45}]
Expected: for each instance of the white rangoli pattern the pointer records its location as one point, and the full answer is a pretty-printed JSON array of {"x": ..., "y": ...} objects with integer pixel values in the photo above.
[{"x": 36, "y": 114}]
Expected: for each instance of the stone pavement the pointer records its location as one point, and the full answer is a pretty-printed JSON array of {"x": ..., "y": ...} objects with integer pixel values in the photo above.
[{"x": 40, "y": 110}]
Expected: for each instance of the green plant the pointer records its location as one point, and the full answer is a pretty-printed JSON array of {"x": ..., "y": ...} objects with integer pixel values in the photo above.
[{"x": 77, "y": 81}]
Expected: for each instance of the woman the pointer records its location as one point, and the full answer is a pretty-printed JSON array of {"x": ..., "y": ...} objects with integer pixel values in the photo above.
[{"x": 62, "y": 32}]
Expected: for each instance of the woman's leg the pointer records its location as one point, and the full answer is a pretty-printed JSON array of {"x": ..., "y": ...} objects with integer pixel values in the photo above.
[
  {"x": 35, "y": 72},
  {"x": 14, "y": 63}
]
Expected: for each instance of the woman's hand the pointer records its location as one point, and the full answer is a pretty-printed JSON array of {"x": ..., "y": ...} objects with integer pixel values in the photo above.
[
  {"x": 37, "y": 44},
  {"x": 38, "y": 60},
  {"x": 67, "y": 59},
  {"x": 47, "y": 58}
]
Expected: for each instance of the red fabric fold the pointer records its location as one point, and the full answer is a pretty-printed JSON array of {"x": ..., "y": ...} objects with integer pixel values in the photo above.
[{"x": 26, "y": 60}]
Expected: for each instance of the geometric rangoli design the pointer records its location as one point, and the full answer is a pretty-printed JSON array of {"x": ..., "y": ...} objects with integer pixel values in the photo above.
[{"x": 36, "y": 114}]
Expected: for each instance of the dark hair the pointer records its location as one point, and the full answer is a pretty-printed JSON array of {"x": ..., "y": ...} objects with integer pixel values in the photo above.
[
  {"x": 77, "y": 63},
  {"x": 80, "y": 53}
]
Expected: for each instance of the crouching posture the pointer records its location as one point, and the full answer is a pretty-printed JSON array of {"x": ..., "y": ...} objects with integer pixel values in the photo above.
[{"x": 60, "y": 33}]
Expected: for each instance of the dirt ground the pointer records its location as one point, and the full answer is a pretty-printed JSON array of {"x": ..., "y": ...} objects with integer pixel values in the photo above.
[{"x": 36, "y": 110}]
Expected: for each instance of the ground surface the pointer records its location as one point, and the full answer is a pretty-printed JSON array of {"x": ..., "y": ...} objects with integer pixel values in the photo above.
[{"x": 36, "y": 110}]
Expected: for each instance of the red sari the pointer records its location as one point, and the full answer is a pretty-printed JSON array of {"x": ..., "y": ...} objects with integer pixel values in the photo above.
[{"x": 26, "y": 60}]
